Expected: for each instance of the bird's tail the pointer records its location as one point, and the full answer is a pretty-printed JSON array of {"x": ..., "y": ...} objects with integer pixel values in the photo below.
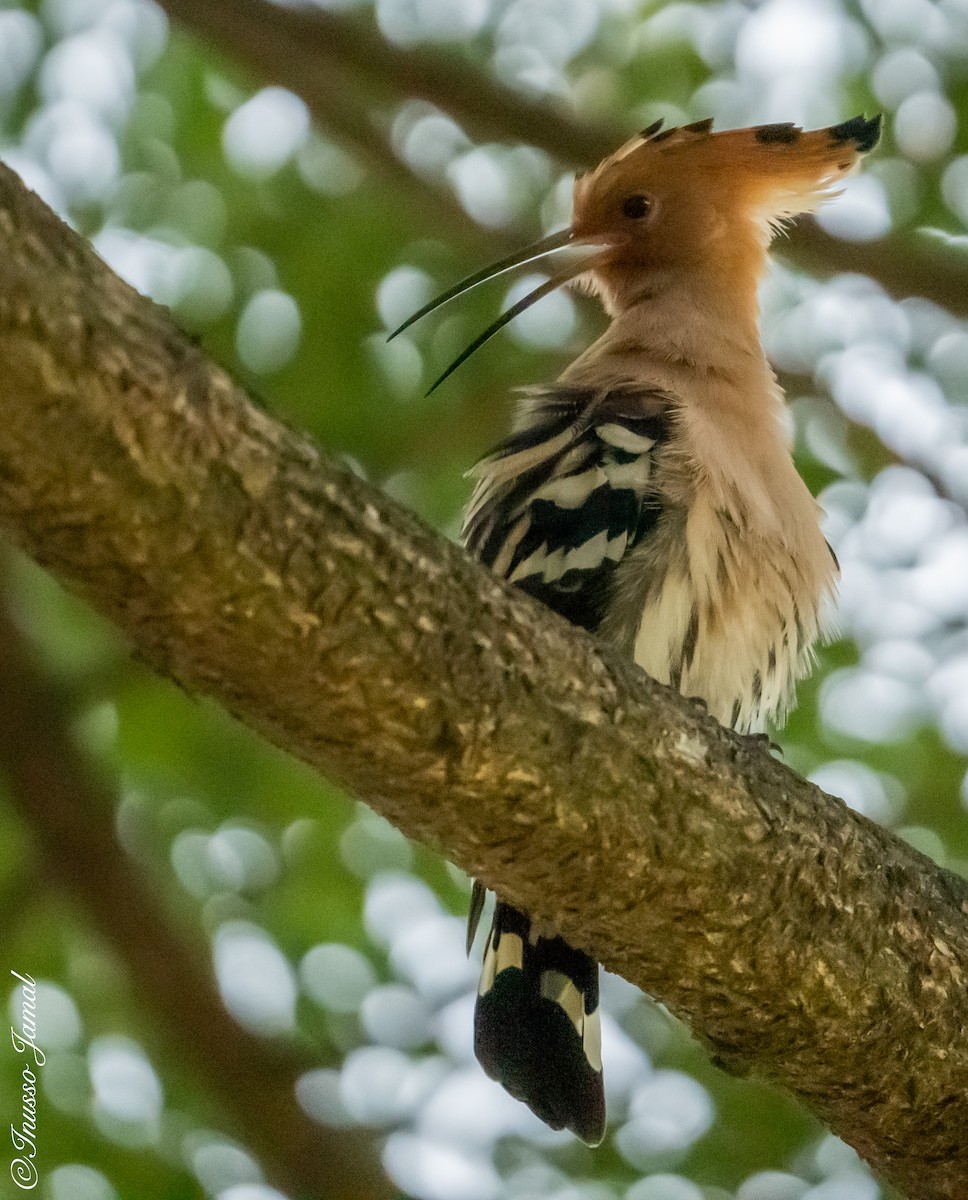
[{"x": 536, "y": 1026}]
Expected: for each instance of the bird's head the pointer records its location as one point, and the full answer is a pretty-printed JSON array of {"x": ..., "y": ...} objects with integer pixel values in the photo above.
[
  {"x": 672, "y": 203},
  {"x": 684, "y": 207}
]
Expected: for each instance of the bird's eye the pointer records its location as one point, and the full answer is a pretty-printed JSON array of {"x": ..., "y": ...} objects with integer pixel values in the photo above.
[{"x": 637, "y": 206}]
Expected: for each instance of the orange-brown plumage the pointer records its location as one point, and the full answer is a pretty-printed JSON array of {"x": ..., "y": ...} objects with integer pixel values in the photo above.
[{"x": 715, "y": 199}]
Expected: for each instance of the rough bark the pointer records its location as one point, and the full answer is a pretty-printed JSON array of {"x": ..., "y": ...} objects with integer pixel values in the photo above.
[
  {"x": 327, "y": 58},
  {"x": 798, "y": 939}
]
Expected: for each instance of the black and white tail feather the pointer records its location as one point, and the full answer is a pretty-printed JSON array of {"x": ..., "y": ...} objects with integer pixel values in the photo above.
[{"x": 557, "y": 507}]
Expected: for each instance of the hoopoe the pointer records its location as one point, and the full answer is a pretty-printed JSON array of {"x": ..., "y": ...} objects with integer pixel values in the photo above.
[{"x": 650, "y": 496}]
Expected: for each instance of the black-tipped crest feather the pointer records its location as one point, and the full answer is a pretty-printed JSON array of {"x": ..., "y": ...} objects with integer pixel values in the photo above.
[
  {"x": 784, "y": 134},
  {"x": 651, "y": 130},
  {"x": 864, "y": 132}
]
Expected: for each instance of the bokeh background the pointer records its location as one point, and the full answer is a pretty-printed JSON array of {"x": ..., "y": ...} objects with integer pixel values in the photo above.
[{"x": 288, "y": 247}]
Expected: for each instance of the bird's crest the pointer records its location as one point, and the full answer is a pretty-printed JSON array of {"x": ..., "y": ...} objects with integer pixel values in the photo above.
[{"x": 776, "y": 171}]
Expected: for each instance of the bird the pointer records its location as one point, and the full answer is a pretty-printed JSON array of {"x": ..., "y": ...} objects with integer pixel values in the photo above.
[{"x": 649, "y": 496}]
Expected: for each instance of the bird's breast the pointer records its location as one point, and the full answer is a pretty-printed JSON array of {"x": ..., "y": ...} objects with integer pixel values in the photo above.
[{"x": 724, "y": 610}]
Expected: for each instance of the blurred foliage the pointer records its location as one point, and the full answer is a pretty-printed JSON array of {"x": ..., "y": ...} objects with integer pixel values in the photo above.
[{"x": 284, "y": 258}]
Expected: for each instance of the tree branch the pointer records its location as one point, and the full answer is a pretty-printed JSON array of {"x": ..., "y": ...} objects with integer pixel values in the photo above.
[
  {"x": 799, "y": 940},
  {"x": 300, "y": 48},
  {"x": 71, "y": 817}
]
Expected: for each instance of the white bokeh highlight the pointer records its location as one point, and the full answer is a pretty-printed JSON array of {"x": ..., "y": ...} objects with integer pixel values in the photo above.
[
  {"x": 336, "y": 977},
  {"x": 256, "y": 980},
  {"x": 128, "y": 1095},
  {"x": 268, "y": 332},
  {"x": 264, "y": 133}
]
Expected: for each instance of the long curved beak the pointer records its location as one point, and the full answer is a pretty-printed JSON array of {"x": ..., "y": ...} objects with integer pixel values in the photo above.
[
  {"x": 550, "y": 285},
  {"x": 527, "y": 254}
]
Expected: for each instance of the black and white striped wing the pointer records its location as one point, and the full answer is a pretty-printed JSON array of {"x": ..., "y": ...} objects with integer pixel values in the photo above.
[{"x": 560, "y": 504}]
